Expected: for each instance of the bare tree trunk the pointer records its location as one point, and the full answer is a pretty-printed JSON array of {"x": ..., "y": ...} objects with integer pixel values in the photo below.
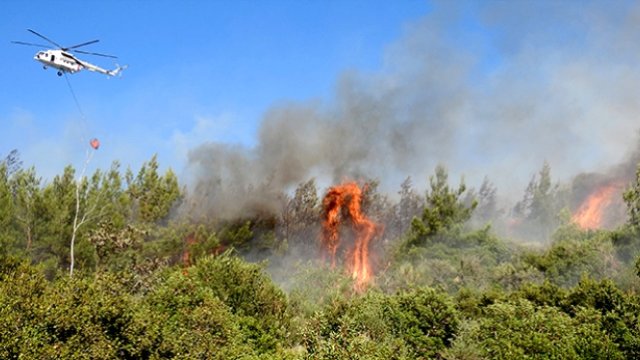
[
  {"x": 29, "y": 238},
  {"x": 75, "y": 227},
  {"x": 77, "y": 223}
]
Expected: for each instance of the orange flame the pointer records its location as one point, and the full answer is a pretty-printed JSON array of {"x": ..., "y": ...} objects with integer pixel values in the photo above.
[
  {"x": 348, "y": 195},
  {"x": 590, "y": 213},
  {"x": 189, "y": 242}
]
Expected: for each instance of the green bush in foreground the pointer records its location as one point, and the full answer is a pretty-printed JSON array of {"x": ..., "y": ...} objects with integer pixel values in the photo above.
[
  {"x": 521, "y": 330},
  {"x": 412, "y": 325},
  {"x": 224, "y": 307},
  {"x": 220, "y": 308}
]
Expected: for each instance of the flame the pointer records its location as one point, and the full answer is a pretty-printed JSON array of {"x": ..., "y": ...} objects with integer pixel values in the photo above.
[
  {"x": 348, "y": 195},
  {"x": 189, "y": 242},
  {"x": 590, "y": 213}
]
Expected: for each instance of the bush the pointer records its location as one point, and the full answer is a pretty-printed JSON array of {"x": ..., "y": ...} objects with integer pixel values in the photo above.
[
  {"x": 72, "y": 318},
  {"x": 21, "y": 290},
  {"x": 413, "y": 325},
  {"x": 519, "y": 329},
  {"x": 221, "y": 308},
  {"x": 184, "y": 319},
  {"x": 619, "y": 312},
  {"x": 573, "y": 254}
]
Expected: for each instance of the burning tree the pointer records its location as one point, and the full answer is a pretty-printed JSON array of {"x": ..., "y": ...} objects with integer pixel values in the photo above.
[
  {"x": 348, "y": 197},
  {"x": 591, "y": 213}
]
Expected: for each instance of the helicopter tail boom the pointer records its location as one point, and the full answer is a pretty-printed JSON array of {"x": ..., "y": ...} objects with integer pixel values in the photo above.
[{"x": 114, "y": 72}]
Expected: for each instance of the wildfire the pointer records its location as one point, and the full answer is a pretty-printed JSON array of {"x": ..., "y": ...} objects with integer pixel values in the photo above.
[
  {"x": 348, "y": 196},
  {"x": 189, "y": 242},
  {"x": 590, "y": 213}
]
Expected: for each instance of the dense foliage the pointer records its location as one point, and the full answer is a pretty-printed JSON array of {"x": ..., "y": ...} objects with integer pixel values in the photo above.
[{"x": 153, "y": 283}]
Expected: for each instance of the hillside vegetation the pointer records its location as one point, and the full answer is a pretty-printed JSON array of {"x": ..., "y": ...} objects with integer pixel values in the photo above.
[{"x": 153, "y": 280}]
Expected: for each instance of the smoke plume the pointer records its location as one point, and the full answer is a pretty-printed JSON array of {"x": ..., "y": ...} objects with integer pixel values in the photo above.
[{"x": 488, "y": 89}]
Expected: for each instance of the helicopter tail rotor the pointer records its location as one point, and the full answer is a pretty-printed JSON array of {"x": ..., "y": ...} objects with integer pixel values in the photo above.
[{"x": 117, "y": 71}]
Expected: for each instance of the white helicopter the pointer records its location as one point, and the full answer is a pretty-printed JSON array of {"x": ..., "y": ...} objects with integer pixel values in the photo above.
[{"x": 63, "y": 59}]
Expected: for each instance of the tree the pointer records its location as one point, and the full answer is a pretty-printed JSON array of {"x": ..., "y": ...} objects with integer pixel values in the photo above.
[
  {"x": 67, "y": 204},
  {"x": 96, "y": 198},
  {"x": 487, "y": 204},
  {"x": 55, "y": 212},
  {"x": 301, "y": 215},
  {"x": 374, "y": 204},
  {"x": 7, "y": 237},
  {"x": 11, "y": 163},
  {"x": 444, "y": 208},
  {"x": 410, "y": 205},
  {"x": 632, "y": 198},
  {"x": 27, "y": 198},
  {"x": 8, "y": 167},
  {"x": 67, "y": 208},
  {"x": 152, "y": 195},
  {"x": 539, "y": 207}
]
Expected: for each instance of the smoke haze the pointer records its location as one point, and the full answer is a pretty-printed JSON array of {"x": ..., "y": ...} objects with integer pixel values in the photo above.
[{"x": 490, "y": 89}]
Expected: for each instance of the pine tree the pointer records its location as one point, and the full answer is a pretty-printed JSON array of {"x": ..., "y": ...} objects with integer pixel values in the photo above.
[
  {"x": 632, "y": 198},
  {"x": 152, "y": 195}
]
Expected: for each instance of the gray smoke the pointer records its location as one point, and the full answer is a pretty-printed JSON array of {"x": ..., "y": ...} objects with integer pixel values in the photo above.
[{"x": 488, "y": 89}]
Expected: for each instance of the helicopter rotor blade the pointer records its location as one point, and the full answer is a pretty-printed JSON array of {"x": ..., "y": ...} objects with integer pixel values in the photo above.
[
  {"x": 44, "y": 37},
  {"x": 79, "y": 45},
  {"x": 70, "y": 48},
  {"x": 28, "y": 44},
  {"x": 92, "y": 53}
]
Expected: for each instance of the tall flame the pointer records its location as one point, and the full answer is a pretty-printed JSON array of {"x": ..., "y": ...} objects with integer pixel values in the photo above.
[
  {"x": 348, "y": 195},
  {"x": 590, "y": 213}
]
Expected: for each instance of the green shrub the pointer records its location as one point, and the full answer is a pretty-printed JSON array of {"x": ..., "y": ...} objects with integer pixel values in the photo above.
[
  {"x": 521, "y": 330},
  {"x": 413, "y": 325}
]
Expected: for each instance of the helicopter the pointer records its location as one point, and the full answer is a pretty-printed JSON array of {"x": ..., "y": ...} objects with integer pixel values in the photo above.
[{"x": 66, "y": 62}]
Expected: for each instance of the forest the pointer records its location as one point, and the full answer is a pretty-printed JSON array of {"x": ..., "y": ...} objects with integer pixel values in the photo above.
[{"x": 124, "y": 264}]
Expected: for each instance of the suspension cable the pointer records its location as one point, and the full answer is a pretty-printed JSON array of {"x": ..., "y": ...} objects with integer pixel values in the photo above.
[{"x": 82, "y": 115}]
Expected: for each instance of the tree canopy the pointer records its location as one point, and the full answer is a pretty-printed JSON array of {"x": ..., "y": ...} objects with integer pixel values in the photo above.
[{"x": 152, "y": 282}]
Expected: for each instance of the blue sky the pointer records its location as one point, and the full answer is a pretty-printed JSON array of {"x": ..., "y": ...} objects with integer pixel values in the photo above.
[
  {"x": 352, "y": 88},
  {"x": 198, "y": 71}
]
